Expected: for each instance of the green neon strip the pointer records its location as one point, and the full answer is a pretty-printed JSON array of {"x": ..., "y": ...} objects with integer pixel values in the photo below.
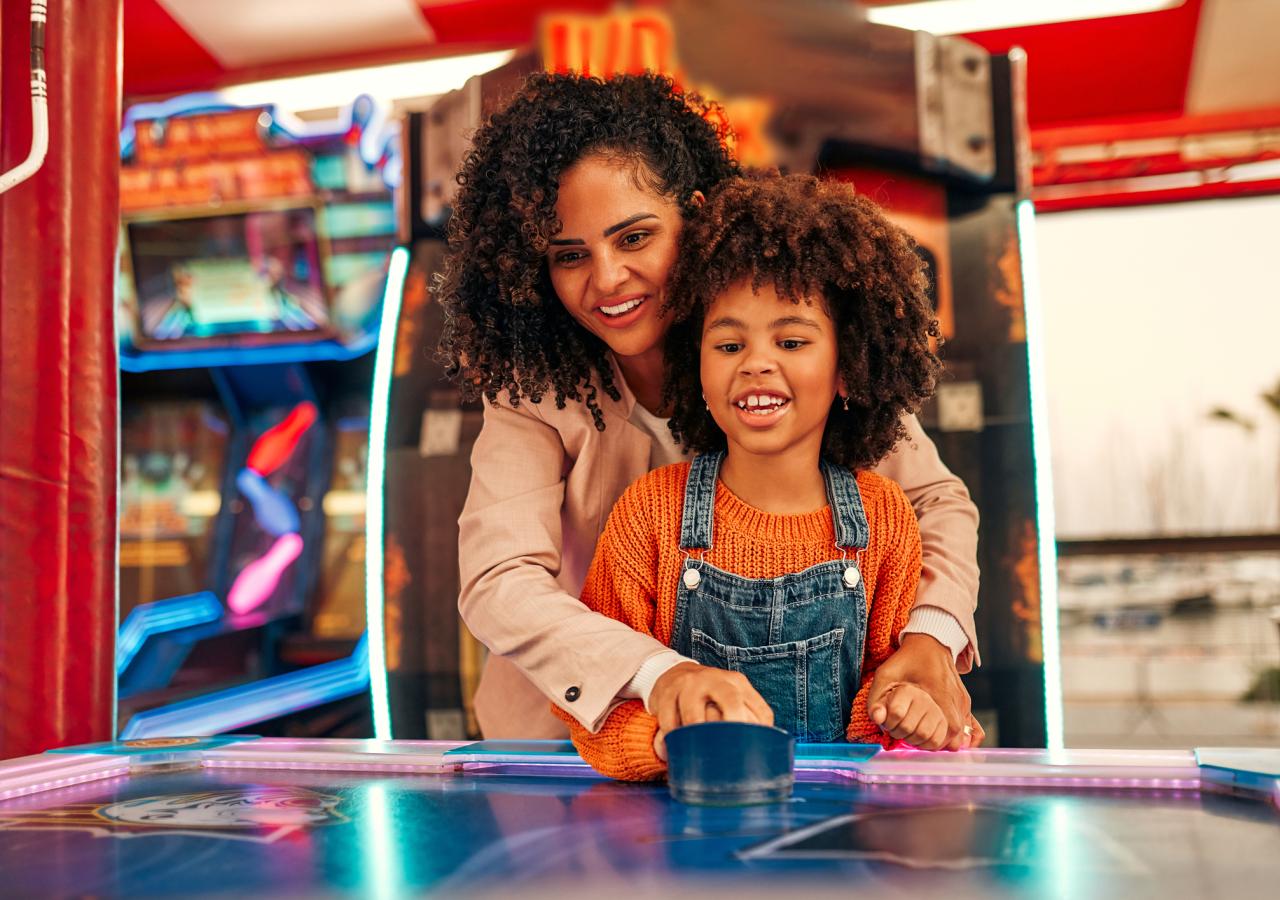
[
  {"x": 374, "y": 516},
  {"x": 1044, "y": 478}
]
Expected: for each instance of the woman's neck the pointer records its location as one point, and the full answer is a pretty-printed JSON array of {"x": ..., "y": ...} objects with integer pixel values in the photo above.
[
  {"x": 643, "y": 375},
  {"x": 785, "y": 484}
]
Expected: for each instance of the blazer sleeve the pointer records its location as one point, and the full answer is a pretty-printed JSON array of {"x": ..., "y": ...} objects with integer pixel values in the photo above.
[
  {"x": 623, "y": 585},
  {"x": 893, "y": 579},
  {"x": 948, "y": 523},
  {"x": 509, "y": 554}
]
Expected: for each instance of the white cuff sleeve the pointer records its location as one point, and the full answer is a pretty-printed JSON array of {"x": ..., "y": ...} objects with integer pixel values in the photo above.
[
  {"x": 939, "y": 625},
  {"x": 647, "y": 675}
]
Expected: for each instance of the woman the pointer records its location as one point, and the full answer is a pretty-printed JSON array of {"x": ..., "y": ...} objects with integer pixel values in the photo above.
[{"x": 561, "y": 239}]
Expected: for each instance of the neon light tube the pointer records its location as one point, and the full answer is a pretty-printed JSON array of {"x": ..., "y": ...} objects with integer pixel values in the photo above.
[
  {"x": 149, "y": 619},
  {"x": 374, "y": 516},
  {"x": 1044, "y": 478},
  {"x": 227, "y": 710}
]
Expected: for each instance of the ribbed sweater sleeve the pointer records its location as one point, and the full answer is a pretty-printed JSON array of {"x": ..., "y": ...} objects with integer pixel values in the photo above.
[
  {"x": 622, "y": 584},
  {"x": 892, "y": 574}
]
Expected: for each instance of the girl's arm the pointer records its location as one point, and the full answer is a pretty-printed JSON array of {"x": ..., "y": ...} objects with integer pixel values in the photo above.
[
  {"x": 948, "y": 524},
  {"x": 622, "y": 584},
  {"x": 892, "y": 564},
  {"x": 509, "y": 553}
]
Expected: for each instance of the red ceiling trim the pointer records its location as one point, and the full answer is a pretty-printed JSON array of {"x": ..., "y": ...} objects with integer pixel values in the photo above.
[
  {"x": 1091, "y": 165},
  {"x": 1120, "y": 196},
  {"x": 1103, "y": 132}
]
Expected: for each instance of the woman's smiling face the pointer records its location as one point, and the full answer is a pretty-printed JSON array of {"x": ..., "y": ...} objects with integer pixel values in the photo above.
[{"x": 617, "y": 243}]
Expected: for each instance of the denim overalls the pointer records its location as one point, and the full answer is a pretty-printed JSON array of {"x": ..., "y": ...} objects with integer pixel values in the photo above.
[{"x": 798, "y": 638}]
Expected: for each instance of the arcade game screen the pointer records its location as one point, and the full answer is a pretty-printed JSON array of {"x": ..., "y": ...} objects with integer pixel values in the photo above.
[{"x": 251, "y": 273}]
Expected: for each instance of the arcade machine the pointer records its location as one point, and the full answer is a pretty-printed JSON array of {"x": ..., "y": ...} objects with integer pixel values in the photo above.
[
  {"x": 255, "y": 254},
  {"x": 930, "y": 128}
]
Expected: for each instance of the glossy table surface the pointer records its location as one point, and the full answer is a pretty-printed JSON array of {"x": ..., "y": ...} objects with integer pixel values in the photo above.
[{"x": 362, "y": 818}]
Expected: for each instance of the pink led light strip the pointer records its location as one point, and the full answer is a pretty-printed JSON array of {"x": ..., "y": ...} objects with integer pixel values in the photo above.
[{"x": 19, "y": 787}]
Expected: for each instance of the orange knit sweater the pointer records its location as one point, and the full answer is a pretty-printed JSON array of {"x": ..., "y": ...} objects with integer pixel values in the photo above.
[{"x": 634, "y": 575}]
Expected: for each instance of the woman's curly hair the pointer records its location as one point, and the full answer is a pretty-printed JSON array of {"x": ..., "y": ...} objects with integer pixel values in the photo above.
[
  {"x": 812, "y": 240},
  {"x": 505, "y": 329}
]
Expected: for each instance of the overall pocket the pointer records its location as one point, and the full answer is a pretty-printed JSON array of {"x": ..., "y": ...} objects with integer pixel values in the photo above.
[{"x": 800, "y": 680}]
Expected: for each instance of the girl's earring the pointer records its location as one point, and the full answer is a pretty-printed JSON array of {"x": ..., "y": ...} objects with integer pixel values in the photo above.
[
  {"x": 845, "y": 403},
  {"x": 705, "y": 403}
]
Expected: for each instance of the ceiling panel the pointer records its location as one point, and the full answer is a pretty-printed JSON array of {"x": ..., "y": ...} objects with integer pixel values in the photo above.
[
  {"x": 251, "y": 33},
  {"x": 1237, "y": 60}
]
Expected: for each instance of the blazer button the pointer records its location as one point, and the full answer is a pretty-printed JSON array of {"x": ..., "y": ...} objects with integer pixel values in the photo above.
[{"x": 573, "y": 693}]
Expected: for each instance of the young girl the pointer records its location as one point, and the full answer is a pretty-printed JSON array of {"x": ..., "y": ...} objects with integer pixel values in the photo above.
[{"x": 800, "y": 338}]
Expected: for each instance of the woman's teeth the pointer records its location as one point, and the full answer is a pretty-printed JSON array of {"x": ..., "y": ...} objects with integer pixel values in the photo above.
[
  {"x": 762, "y": 404},
  {"x": 621, "y": 307}
]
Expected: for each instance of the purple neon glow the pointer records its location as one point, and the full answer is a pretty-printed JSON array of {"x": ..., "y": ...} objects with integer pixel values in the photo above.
[
  {"x": 1151, "y": 783},
  {"x": 256, "y": 581},
  {"x": 272, "y": 510},
  {"x": 350, "y": 766},
  {"x": 35, "y": 787}
]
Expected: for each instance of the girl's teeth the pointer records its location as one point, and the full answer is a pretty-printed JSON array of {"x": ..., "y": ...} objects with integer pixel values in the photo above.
[{"x": 761, "y": 405}]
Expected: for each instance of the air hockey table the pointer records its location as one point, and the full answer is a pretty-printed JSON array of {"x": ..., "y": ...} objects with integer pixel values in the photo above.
[{"x": 245, "y": 816}]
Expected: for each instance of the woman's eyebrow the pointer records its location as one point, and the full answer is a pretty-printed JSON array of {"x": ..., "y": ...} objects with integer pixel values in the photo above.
[{"x": 612, "y": 229}]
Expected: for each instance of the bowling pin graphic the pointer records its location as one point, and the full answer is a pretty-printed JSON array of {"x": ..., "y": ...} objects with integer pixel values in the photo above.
[
  {"x": 277, "y": 443},
  {"x": 272, "y": 510},
  {"x": 257, "y": 581}
]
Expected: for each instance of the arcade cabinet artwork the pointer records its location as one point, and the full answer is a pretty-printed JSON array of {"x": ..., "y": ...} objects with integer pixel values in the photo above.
[
  {"x": 254, "y": 262},
  {"x": 930, "y": 128}
]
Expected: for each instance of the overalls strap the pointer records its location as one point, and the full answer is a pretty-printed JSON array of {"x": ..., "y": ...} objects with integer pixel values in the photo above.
[
  {"x": 847, "y": 514},
  {"x": 698, "y": 517}
]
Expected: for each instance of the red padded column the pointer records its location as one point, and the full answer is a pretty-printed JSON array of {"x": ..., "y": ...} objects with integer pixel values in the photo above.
[{"x": 58, "y": 378}]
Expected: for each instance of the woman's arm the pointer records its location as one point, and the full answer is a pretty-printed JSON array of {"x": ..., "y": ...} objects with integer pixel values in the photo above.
[
  {"x": 622, "y": 584},
  {"x": 509, "y": 553},
  {"x": 949, "y": 536},
  {"x": 892, "y": 576}
]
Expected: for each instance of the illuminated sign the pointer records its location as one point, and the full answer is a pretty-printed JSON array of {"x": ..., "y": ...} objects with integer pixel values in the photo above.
[
  {"x": 210, "y": 159},
  {"x": 633, "y": 42}
]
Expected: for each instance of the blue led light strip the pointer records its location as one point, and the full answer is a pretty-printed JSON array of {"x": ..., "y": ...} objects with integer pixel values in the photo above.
[
  {"x": 259, "y": 701},
  {"x": 374, "y": 516},
  {"x": 132, "y": 360},
  {"x": 149, "y": 619},
  {"x": 1044, "y": 478}
]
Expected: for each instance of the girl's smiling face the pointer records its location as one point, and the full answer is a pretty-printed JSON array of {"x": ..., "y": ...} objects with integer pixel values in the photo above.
[
  {"x": 617, "y": 243},
  {"x": 769, "y": 370}
]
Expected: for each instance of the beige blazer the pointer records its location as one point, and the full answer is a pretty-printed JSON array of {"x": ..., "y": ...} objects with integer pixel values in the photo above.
[{"x": 543, "y": 482}]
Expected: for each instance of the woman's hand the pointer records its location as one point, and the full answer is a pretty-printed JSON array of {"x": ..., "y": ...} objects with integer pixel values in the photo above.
[
  {"x": 688, "y": 693},
  {"x": 925, "y": 664}
]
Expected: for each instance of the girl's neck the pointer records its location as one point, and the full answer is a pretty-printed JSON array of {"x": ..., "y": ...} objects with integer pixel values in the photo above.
[
  {"x": 643, "y": 375},
  {"x": 787, "y": 484}
]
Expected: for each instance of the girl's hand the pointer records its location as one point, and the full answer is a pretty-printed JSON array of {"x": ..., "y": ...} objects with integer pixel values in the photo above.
[
  {"x": 911, "y": 715},
  {"x": 688, "y": 693}
]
